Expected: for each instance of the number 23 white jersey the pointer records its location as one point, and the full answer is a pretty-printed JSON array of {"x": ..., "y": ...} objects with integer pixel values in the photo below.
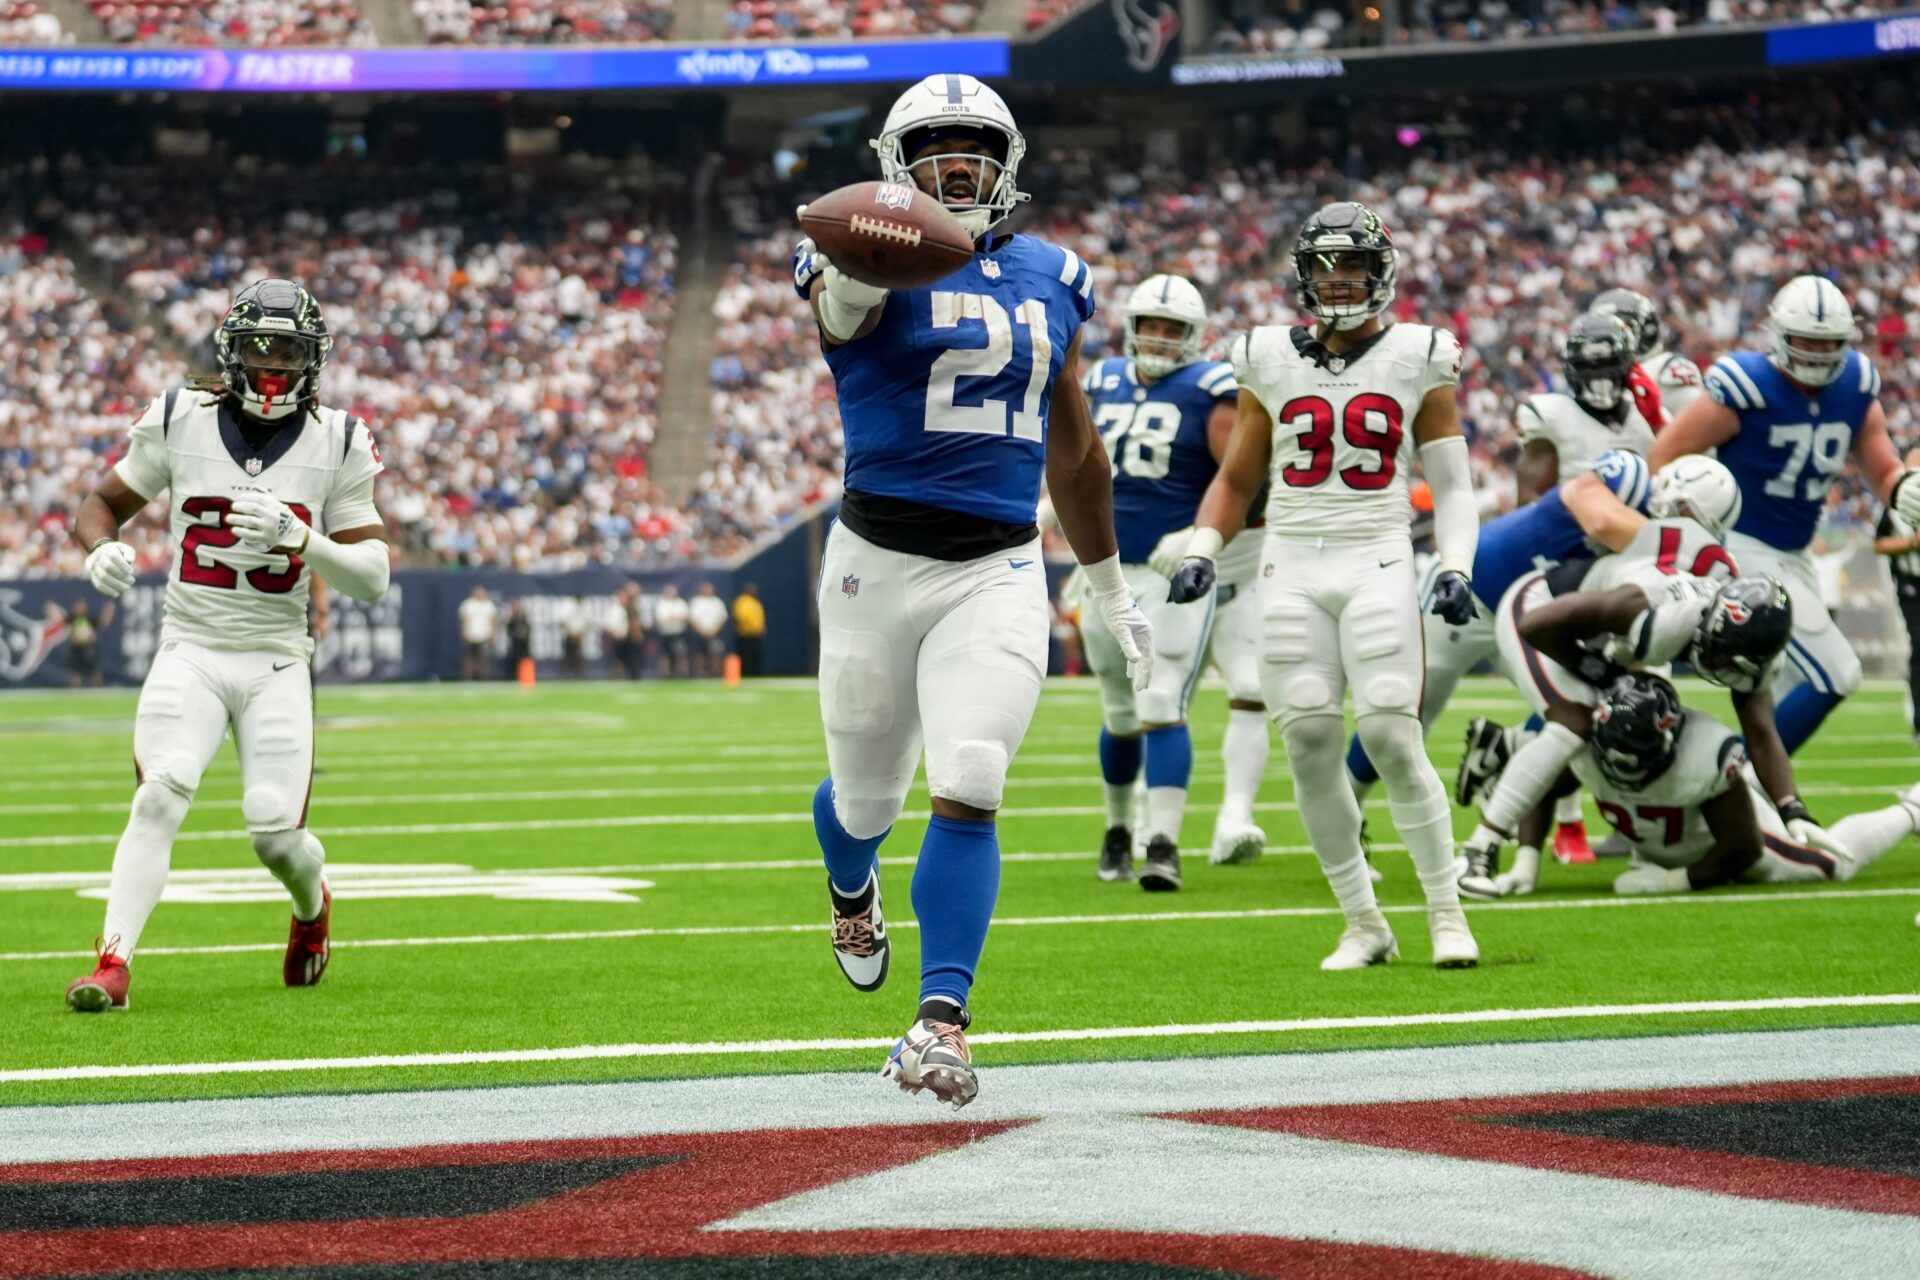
[
  {"x": 221, "y": 593},
  {"x": 1342, "y": 426}
]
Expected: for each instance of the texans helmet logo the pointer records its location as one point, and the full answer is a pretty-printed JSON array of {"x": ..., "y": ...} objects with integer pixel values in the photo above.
[{"x": 1736, "y": 611}]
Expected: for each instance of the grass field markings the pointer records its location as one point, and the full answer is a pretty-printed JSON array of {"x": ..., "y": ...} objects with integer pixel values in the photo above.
[
  {"x": 742, "y": 1048},
  {"x": 1053, "y": 921}
]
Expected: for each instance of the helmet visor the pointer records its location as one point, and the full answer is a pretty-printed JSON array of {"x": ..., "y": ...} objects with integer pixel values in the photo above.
[{"x": 277, "y": 352}]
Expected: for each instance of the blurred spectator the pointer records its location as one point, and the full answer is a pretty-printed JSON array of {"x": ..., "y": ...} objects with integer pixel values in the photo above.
[
  {"x": 707, "y": 613},
  {"x": 750, "y": 629},
  {"x": 22, "y": 22},
  {"x": 671, "y": 616},
  {"x": 234, "y": 22},
  {"x": 625, "y": 638},
  {"x": 519, "y": 637},
  {"x": 575, "y": 624},
  {"x": 83, "y": 643},
  {"x": 479, "y": 624}
]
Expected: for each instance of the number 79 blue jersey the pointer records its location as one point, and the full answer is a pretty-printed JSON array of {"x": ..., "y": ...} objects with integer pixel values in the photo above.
[
  {"x": 945, "y": 403},
  {"x": 1791, "y": 445}
]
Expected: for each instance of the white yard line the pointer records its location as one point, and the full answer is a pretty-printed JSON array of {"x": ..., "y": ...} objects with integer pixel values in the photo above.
[
  {"x": 1009, "y": 922},
  {"x": 744, "y": 1048}
]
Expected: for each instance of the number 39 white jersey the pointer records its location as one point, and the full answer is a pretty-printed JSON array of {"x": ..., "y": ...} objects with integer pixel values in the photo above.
[
  {"x": 1342, "y": 425},
  {"x": 222, "y": 593}
]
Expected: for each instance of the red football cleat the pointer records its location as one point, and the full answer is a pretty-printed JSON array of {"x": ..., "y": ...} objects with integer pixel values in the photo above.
[
  {"x": 1570, "y": 843},
  {"x": 307, "y": 948},
  {"x": 103, "y": 989}
]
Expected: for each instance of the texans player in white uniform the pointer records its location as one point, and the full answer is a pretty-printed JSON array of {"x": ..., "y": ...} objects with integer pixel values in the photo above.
[
  {"x": 1562, "y": 435},
  {"x": 267, "y": 485},
  {"x": 1329, "y": 416},
  {"x": 934, "y": 620},
  {"x": 1675, "y": 783},
  {"x": 1676, "y": 378},
  {"x": 1784, "y": 423},
  {"x": 1165, "y": 415}
]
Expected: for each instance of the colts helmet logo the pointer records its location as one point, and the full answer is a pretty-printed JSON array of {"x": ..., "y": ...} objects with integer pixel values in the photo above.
[{"x": 893, "y": 195}]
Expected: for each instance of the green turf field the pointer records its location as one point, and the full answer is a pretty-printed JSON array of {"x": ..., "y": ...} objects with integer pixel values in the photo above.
[{"x": 672, "y": 821}]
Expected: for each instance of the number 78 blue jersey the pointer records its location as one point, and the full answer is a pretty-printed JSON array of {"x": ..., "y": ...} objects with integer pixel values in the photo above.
[
  {"x": 945, "y": 403},
  {"x": 1791, "y": 445}
]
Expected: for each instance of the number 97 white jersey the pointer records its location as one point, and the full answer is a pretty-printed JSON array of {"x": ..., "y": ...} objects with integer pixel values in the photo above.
[{"x": 1342, "y": 424}]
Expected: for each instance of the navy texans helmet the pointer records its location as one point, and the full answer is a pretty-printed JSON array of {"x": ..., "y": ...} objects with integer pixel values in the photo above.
[
  {"x": 1635, "y": 311},
  {"x": 1344, "y": 235},
  {"x": 1745, "y": 631},
  {"x": 1596, "y": 359},
  {"x": 272, "y": 346},
  {"x": 1636, "y": 725}
]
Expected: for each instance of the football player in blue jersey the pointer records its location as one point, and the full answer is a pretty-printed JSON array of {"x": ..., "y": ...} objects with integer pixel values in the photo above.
[
  {"x": 1784, "y": 422},
  {"x": 1596, "y": 511},
  {"x": 1165, "y": 415},
  {"x": 933, "y": 601}
]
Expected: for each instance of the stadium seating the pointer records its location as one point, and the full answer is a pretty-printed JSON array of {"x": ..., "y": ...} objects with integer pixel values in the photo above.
[
  {"x": 532, "y": 22},
  {"x": 796, "y": 19},
  {"x": 234, "y": 22},
  {"x": 22, "y": 22}
]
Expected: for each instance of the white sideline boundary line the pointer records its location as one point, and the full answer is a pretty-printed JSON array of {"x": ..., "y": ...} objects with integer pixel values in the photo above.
[
  {"x": 1139, "y": 917},
  {"x": 742, "y": 1048}
]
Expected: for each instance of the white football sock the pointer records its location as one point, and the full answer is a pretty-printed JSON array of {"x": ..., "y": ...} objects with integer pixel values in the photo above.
[
  {"x": 1566, "y": 810},
  {"x": 297, "y": 860},
  {"x": 140, "y": 863},
  {"x": 1529, "y": 776},
  {"x": 1244, "y": 753},
  {"x": 1316, "y": 755},
  {"x": 1119, "y": 804},
  {"x": 1422, "y": 812},
  {"x": 1166, "y": 808},
  {"x": 1868, "y": 835}
]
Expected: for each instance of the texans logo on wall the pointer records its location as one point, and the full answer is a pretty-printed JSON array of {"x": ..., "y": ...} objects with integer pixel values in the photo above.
[
  {"x": 26, "y": 641},
  {"x": 1120, "y": 42},
  {"x": 1148, "y": 31}
]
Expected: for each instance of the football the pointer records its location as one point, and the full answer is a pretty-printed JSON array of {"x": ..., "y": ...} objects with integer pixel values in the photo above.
[{"x": 887, "y": 234}]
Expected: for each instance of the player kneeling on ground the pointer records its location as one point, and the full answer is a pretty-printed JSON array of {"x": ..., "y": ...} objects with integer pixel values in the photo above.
[
  {"x": 1675, "y": 783},
  {"x": 266, "y": 485}
]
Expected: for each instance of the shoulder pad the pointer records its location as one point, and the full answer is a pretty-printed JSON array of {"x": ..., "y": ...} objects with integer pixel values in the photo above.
[{"x": 1729, "y": 383}]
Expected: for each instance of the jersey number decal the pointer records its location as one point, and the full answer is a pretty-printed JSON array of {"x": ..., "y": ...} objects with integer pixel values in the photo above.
[
  {"x": 989, "y": 417},
  {"x": 1672, "y": 819},
  {"x": 1711, "y": 557},
  {"x": 1825, "y": 445},
  {"x": 211, "y": 573},
  {"x": 1139, "y": 437},
  {"x": 1316, "y": 440}
]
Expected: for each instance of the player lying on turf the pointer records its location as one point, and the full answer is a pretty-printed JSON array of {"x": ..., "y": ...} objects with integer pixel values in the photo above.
[
  {"x": 1600, "y": 509},
  {"x": 1164, "y": 415},
  {"x": 1676, "y": 784},
  {"x": 934, "y": 618},
  {"x": 1330, "y": 416},
  {"x": 267, "y": 484},
  {"x": 1632, "y": 609}
]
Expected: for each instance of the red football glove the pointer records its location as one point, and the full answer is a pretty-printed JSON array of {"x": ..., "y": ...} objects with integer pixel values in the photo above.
[{"x": 1646, "y": 397}]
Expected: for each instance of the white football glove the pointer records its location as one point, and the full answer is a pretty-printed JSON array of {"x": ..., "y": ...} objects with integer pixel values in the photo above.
[
  {"x": 110, "y": 566},
  {"x": 1812, "y": 834},
  {"x": 1169, "y": 552},
  {"x": 1644, "y": 881},
  {"x": 264, "y": 522},
  {"x": 1524, "y": 876},
  {"x": 1135, "y": 634},
  {"x": 1906, "y": 497}
]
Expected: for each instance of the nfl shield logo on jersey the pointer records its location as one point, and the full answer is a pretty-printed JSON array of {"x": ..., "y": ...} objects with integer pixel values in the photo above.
[
  {"x": 253, "y": 466},
  {"x": 894, "y": 195},
  {"x": 849, "y": 586}
]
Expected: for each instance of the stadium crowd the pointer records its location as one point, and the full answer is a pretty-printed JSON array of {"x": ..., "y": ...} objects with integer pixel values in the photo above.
[
  {"x": 831, "y": 19},
  {"x": 234, "y": 22},
  {"x": 505, "y": 340},
  {"x": 545, "y": 21}
]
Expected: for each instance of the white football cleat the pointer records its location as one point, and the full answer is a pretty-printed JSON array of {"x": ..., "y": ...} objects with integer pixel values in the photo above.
[
  {"x": 933, "y": 1055},
  {"x": 1525, "y": 874},
  {"x": 1479, "y": 867},
  {"x": 1366, "y": 942},
  {"x": 1453, "y": 944},
  {"x": 1237, "y": 845}
]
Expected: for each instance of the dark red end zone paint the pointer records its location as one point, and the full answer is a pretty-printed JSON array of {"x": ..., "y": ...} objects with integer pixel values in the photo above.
[
  {"x": 658, "y": 1211},
  {"x": 1456, "y": 1128}
]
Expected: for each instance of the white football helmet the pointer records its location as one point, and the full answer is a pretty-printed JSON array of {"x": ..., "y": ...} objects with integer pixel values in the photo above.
[
  {"x": 1810, "y": 307},
  {"x": 1166, "y": 298},
  {"x": 960, "y": 104},
  {"x": 1697, "y": 488}
]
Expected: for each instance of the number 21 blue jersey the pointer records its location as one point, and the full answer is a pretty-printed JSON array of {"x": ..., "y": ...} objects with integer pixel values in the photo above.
[
  {"x": 1791, "y": 445},
  {"x": 1157, "y": 438},
  {"x": 945, "y": 403}
]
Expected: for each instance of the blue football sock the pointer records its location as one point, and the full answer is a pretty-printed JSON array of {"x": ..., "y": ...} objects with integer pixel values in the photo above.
[
  {"x": 1800, "y": 714},
  {"x": 849, "y": 861},
  {"x": 1120, "y": 759},
  {"x": 1535, "y": 724},
  {"x": 1169, "y": 756},
  {"x": 1359, "y": 764},
  {"x": 954, "y": 887}
]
